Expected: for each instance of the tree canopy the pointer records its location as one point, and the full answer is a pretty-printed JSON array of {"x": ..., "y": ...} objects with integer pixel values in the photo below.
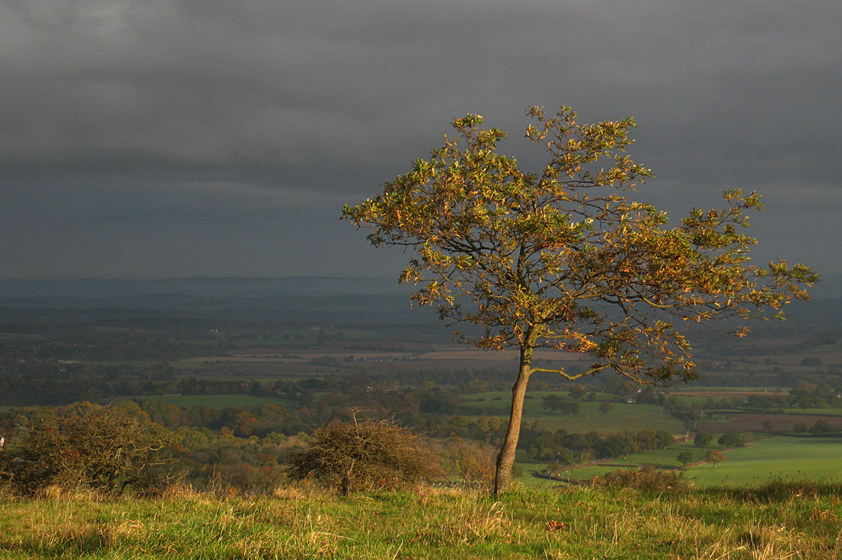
[{"x": 561, "y": 258}]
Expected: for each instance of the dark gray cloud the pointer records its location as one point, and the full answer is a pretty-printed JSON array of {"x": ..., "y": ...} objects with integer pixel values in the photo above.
[{"x": 171, "y": 138}]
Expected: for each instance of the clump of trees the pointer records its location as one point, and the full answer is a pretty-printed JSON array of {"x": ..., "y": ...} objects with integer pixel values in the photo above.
[
  {"x": 85, "y": 446},
  {"x": 363, "y": 455},
  {"x": 556, "y": 403},
  {"x": 565, "y": 449},
  {"x": 732, "y": 439}
]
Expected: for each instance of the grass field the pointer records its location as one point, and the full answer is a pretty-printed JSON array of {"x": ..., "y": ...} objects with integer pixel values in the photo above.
[
  {"x": 761, "y": 461},
  {"x": 576, "y": 523},
  {"x": 664, "y": 458},
  {"x": 786, "y": 458},
  {"x": 726, "y": 391},
  {"x": 621, "y": 417}
]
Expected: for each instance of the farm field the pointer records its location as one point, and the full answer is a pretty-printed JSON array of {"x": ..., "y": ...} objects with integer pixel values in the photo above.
[
  {"x": 664, "y": 458},
  {"x": 635, "y": 417},
  {"x": 725, "y": 392},
  {"x": 786, "y": 458},
  {"x": 739, "y": 422},
  {"x": 621, "y": 417}
]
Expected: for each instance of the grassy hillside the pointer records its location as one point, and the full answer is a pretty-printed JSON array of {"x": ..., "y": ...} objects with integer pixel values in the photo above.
[
  {"x": 774, "y": 522},
  {"x": 788, "y": 458}
]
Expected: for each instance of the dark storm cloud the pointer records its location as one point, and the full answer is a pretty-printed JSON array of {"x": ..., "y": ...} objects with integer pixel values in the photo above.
[{"x": 165, "y": 138}]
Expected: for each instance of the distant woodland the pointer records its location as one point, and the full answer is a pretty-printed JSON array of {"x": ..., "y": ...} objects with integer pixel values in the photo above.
[{"x": 242, "y": 380}]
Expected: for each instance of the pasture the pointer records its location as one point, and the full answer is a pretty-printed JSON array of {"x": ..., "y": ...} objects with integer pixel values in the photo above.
[
  {"x": 621, "y": 417},
  {"x": 787, "y": 458}
]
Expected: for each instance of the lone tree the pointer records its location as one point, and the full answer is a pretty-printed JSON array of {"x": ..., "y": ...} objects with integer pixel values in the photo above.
[
  {"x": 703, "y": 439},
  {"x": 685, "y": 457},
  {"x": 715, "y": 457},
  {"x": 562, "y": 259}
]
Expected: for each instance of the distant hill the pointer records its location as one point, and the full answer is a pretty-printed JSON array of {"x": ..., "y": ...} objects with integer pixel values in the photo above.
[
  {"x": 357, "y": 300},
  {"x": 202, "y": 287},
  {"x": 361, "y": 300},
  {"x": 829, "y": 287}
]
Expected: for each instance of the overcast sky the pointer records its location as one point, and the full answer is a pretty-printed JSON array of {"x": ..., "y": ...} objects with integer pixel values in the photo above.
[{"x": 167, "y": 138}]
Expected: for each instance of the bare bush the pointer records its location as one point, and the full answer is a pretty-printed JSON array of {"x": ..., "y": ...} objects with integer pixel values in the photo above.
[
  {"x": 363, "y": 455},
  {"x": 473, "y": 461}
]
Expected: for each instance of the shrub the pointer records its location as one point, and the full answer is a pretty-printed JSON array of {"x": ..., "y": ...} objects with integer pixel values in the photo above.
[
  {"x": 105, "y": 449},
  {"x": 363, "y": 455},
  {"x": 648, "y": 478},
  {"x": 780, "y": 489}
]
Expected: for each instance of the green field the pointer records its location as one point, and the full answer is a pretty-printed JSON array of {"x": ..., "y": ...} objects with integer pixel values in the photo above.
[
  {"x": 776, "y": 458},
  {"x": 788, "y": 458},
  {"x": 622, "y": 417}
]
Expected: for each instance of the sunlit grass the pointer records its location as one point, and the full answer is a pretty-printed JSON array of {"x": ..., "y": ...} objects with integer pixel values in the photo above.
[
  {"x": 787, "y": 458},
  {"x": 576, "y": 523}
]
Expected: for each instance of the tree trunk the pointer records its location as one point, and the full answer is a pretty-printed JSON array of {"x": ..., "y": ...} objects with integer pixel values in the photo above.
[{"x": 506, "y": 458}]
